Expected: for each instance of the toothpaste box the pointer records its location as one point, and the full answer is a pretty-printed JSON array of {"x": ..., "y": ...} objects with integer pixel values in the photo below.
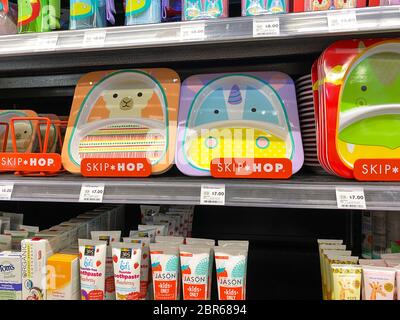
[
  {"x": 16, "y": 238},
  {"x": 99, "y": 218},
  {"x": 93, "y": 222},
  {"x": 10, "y": 276},
  {"x": 34, "y": 254},
  {"x": 70, "y": 250},
  {"x": 83, "y": 227},
  {"x": 31, "y": 229},
  {"x": 71, "y": 231},
  {"x": 5, "y": 242},
  {"x": 120, "y": 217},
  {"x": 63, "y": 277},
  {"x": 60, "y": 239},
  {"x": 111, "y": 217}
]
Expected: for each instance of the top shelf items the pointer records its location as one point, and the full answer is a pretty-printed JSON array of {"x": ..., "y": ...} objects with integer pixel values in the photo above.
[{"x": 306, "y": 24}]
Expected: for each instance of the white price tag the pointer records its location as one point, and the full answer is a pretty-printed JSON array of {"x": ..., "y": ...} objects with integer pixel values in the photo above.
[
  {"x": 265, "y": 28},
  {"x": 92, "y": 192},
  {"x": 350, "y": 198},
  {"x": 46, "y": 42},
  {"x": 94, "y": 38},
  {"x": 6, "y": 191},
  {"x": 193, "y": 32},
  {"x": 212, "y": 194},
  {"x": 342, "y": 20}
]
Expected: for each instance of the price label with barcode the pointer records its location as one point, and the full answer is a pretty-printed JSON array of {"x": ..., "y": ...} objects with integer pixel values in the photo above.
[
  {"x": 350, "y": 198},
  {"x": 94, "y": 38},
  {"x": 196, "y": 32},
  {"x": 265, "y": 28},
  {"x": 342, "y": 20},
  {"x": 6, "y": 191},
  {"x": 212, "y": 194},
  {"x": 91, "y": 192},
  {"x": 46, "y": 42}
]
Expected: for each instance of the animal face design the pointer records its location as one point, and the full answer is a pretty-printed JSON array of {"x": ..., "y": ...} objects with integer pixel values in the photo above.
[
  {"x": 23, "y": 136},
  {"x": 318, "y": 5},
  {"x": 377, "y": 289},
  {"x": 346, "y": 286},
  {"x": 370, "y": 109},
  {"x": 127, "y": 102}
]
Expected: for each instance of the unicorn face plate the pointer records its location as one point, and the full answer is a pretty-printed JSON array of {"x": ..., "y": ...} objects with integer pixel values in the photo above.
[
  {"x": 123, "y": 114},
  {"x": 249, "y": 115},
  {"x": 369, "y": 118}
]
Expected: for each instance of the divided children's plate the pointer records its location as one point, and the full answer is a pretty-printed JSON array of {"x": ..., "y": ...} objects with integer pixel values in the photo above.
[
  {"x": 242, "y": 115},
  {"x": 25, "y": 130},
  {"x": 357, "y": 103},
  {"x": 123, "y": 114}
]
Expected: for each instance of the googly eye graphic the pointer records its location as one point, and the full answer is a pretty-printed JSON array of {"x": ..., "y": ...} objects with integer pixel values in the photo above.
[
  {"x": 262, "y": 142},
  {"x": 211, "y": 142}
]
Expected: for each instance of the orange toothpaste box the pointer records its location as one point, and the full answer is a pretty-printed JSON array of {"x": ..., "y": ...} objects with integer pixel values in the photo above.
[{"x": 63, "y": 277}]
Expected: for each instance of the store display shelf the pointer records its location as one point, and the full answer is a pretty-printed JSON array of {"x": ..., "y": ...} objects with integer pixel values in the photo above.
[
  {"x": 302, "y": 191},
  {"x": 309, "y": 24}
]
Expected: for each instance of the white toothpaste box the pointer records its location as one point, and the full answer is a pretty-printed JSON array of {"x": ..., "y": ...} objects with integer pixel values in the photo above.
[
  {"x": 71, "y": 231},
  {"x": 10, "y": 276},
  {"x": 63, "y": 277},
  {"x": 99, "y": 218},
  {"x": 59, "y": 239},
  {"x": 83, "y": 227},
  {"x": 34, "y": 254},
  {"x": 70, "y": 250},
  {"x": 93, "y": 222},
  {"x": 110, "y": 218}
]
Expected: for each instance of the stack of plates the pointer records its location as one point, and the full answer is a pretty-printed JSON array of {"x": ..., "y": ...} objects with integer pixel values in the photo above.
[
  {"x": 357, "y": 103},
  {"x": 305, "y": 104}
]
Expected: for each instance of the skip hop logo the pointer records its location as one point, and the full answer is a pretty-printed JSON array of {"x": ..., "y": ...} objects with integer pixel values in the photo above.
[
  {"x": 113, "y": 167},
  {"x": 377, "y": 170},
  {"x": 30, "y": 162},
  {"x": 251, "y": 168}
]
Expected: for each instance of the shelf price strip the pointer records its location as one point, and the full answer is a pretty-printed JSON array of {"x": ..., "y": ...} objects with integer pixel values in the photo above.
[
  {"x": 46, "y": 42},
  {"x": 6, "y": 191},
  {"x": 212, "y": 194},
  {"x": 350, "y": 198},
  {"x": 94, "y": 38},
  {"x": 342, "y": 21},
  {"x": 266, "y": 28},
  {"x": 91, "y": 192},
  {"x": 195, "y": 32}
]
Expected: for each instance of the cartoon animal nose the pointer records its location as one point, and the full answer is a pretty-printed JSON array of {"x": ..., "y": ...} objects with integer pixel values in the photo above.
[
  {"x": 18, "y": 136},
  {"x": 126, "y": 103}
]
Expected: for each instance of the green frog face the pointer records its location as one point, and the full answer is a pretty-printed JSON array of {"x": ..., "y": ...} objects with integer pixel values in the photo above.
[{"x": 370, "y": 100}]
